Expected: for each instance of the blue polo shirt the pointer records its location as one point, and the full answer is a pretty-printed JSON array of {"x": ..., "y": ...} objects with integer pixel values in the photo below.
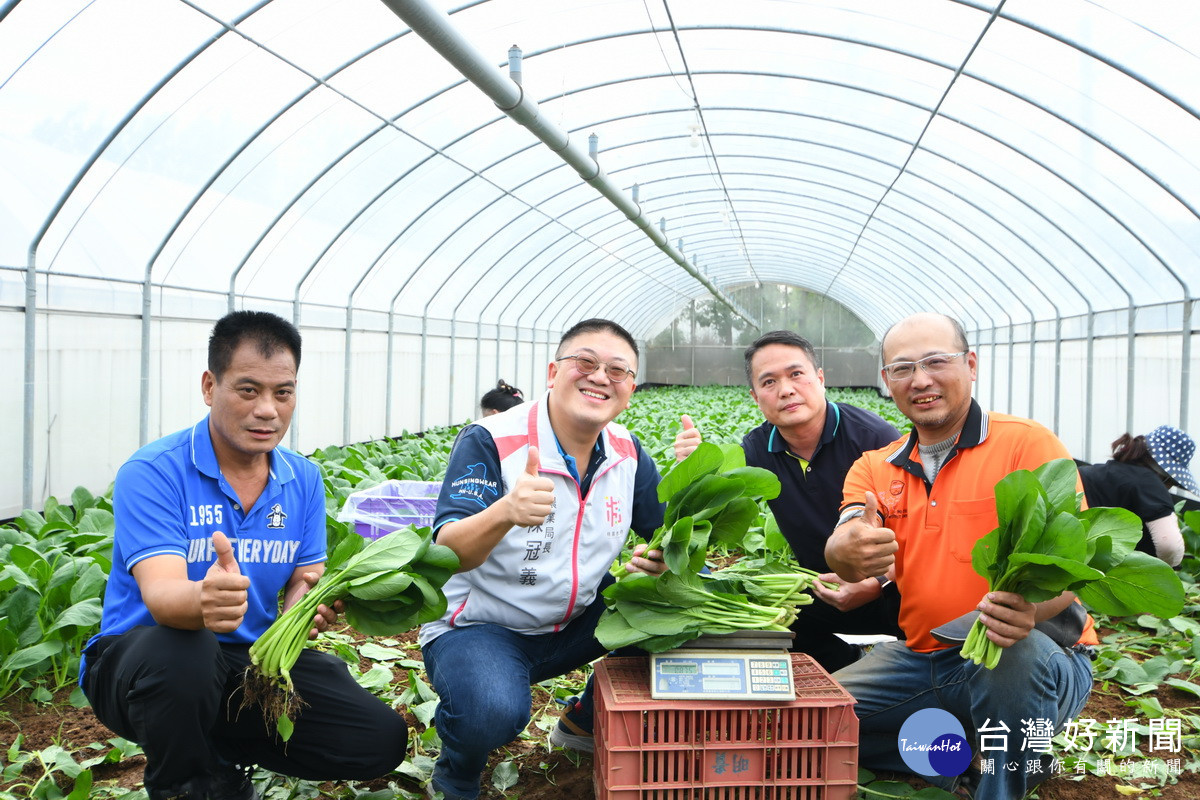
[
  {"x": 476, "y": 446},
  {"x": 811, "y": 493},
  {"x": 170, "y": 497}
]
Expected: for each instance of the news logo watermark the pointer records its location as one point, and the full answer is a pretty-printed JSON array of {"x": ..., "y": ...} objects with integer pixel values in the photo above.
[{"x": 932, "y": 743}]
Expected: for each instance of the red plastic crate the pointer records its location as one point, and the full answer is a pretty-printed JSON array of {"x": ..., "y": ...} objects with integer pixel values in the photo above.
[{"x": 648, "y": 749}]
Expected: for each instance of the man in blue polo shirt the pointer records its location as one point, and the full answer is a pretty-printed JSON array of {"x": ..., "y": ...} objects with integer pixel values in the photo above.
[
  {"x": 213, "y": 524},
  {"x": 537, "y": 502},
  {"x": 810, "y": 443}
]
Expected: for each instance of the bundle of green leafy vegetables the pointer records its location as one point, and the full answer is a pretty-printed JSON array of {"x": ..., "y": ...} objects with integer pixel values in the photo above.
[
  {"x": 711, "y": 499},
  {"x": 390, "y": 585},
  {"x": 1045, "y": 545}
]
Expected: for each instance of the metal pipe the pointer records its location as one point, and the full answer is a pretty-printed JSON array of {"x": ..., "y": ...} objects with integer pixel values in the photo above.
[
  {"x": 1033, "y": 363},
  {"x": 348, "y": 380},
  {"x": 30, "y": 376},
  {"x": 294, "y": 428},
  {"x": 478, "y": 363},
  {"x": 387, "y": 394},
  {"x": 1185, "y": 373},
  {"x": 992, "y": 382},
  {"x": 144, "y": 361},
  {"x": 453, "y": 352},
  {"x": 1012, "y": 356},
  {"x": 1130, "y": 355},
  {"x": 693, "y": 336},
  {"x": 1057, "y": 374},
  {"x": 424, "y": 377},
  {"x": 434, "y": 27},
  {"x": 1087, "y": 411}
]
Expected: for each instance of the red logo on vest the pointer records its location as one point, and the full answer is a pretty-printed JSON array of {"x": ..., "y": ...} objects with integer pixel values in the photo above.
[
  {"x": 612, "y": 511},
  {"x": 897, "y": 488}
]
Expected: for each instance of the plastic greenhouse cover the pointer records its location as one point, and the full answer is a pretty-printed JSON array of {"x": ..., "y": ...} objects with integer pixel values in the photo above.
[{"x": 320, "y": 151}]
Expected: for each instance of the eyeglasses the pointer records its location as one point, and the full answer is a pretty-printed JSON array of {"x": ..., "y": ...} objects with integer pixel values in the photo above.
[
  {"x": 904, "y": 370},
  {"x": 587, "y": 365}
]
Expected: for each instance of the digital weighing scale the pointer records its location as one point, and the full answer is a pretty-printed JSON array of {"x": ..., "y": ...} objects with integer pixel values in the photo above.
[{"x": 745, "y": 665}]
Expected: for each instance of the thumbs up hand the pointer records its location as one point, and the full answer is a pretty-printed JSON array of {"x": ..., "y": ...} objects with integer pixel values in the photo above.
[
  {"x": 532, "y": 496},
  {"x": 225, "y": 560},
  {"x": 861, "y": 547},
  {"x": 223, "y": 601},
  {"x": 688, "y": 438},
  {"x": 871, "y": 508}
]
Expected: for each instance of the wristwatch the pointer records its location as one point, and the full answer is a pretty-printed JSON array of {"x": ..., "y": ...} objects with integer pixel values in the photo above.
[{"x": 884, "y": 580}]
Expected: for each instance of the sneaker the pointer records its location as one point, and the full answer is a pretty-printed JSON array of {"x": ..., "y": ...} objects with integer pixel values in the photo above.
[
  {"x": 231, "y": 782},
  {"x": 570, "y": 734}
]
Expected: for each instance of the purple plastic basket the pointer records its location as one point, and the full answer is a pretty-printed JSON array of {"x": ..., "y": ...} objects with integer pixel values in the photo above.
[{"x": 384, "y": 508}]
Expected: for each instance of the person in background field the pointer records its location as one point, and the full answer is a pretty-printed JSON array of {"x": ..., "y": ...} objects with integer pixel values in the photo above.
[
  {"x": 537, "y": 503},
  {"x": 1137, "y": 478},
  {"x": 809, "y": 443},
  {"x": 213, "y": 524},
  {"x": 913, "y": 511},
  {"x": 502, "y": 398}
]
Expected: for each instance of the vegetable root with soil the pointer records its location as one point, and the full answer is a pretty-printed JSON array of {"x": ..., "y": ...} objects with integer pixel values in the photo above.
[{"x": 388, "y": 587}]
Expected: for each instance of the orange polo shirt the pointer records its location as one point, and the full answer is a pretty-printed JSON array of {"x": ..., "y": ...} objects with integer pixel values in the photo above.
[{"x": 937, "y": 525}]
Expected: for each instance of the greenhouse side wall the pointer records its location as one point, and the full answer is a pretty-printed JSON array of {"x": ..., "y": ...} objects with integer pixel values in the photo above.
[
  {"x": 88, "y": 382},
  {"x": 1108, "y": 381},
  {"x": 725, "y": 366}
]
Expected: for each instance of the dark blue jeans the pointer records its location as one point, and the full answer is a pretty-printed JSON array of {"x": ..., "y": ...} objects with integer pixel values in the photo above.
[
  {"x": 483, "y": 674},
  {"x": 1035, "y": 679}
]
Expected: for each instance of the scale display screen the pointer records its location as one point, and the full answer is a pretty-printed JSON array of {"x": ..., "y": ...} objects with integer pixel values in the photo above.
[
  {"x": 681, "y": 668},
  {"x": 714, "y": 674}
]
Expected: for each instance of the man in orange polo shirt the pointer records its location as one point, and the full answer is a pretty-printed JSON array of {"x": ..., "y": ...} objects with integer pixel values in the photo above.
[{"x": 912, "y": 511}]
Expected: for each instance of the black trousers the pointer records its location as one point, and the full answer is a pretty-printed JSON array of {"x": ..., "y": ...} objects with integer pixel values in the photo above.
[
  {"x": 818, "y": 621},
  {"x": 178, "y": 694}
]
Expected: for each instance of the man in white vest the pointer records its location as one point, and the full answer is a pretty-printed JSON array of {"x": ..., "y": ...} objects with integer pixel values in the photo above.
[{"x": 537, "y": 503}]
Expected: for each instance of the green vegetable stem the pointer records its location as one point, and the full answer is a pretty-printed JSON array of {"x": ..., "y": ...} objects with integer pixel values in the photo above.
[
  {"x": 1045, "y": 545},
  {"x": 389, "y": 586}
]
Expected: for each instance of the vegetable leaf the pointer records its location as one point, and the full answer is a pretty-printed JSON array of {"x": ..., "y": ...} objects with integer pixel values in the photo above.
[
  {"x": 705, "y": 460},
  {"x": 1140, "y": 584}
]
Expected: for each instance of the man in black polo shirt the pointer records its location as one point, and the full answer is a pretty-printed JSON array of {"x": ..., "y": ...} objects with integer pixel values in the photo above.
[{"x": 810, "y": 443}]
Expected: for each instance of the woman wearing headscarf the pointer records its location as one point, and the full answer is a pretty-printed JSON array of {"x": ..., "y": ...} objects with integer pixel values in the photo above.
[{"x": 1137, "y": 478}]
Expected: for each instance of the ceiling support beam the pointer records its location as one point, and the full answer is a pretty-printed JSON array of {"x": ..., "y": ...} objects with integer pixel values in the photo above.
[{"x": 434, "y": 26}]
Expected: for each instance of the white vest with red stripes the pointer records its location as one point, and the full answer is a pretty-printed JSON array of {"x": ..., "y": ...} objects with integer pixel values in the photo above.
[{"x": 538, "y": 579}]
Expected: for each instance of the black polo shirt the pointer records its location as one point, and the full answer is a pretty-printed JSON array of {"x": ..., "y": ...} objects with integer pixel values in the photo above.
[
  {"x": 1117, "y": 484},
  {"x": 807, "y": 506}
]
